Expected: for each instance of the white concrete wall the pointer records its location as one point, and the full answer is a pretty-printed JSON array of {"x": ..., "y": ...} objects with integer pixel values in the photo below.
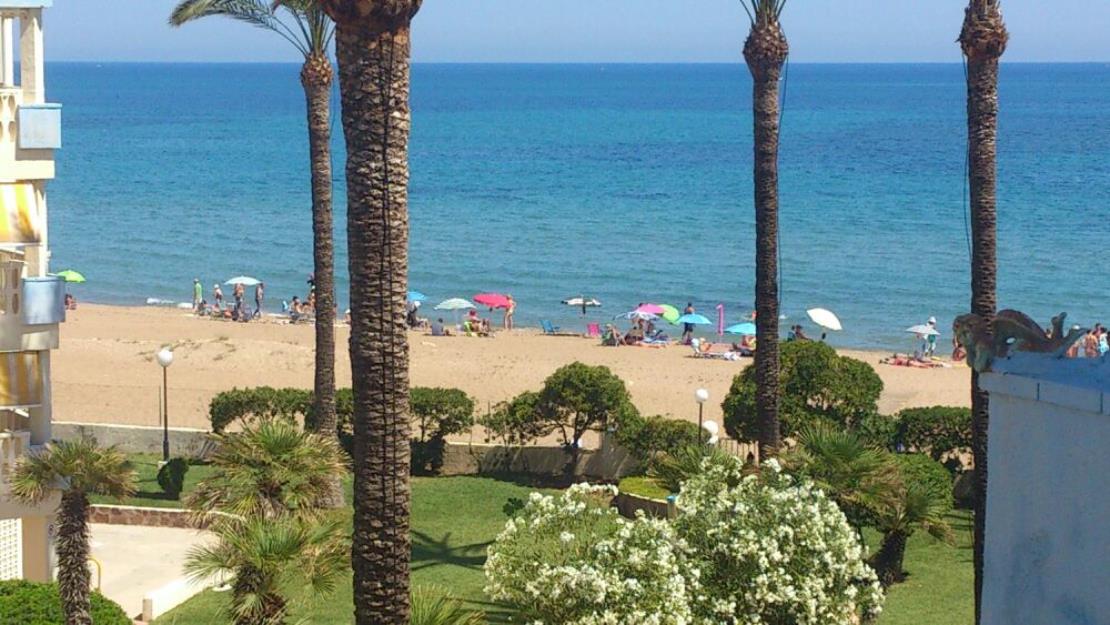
[{"x": 1047, "y": 554}]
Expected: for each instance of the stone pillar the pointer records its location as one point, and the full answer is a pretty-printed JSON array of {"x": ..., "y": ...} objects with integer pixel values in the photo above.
[
  {"x": 7, "y": 51},
  {"x": 38, "y": 548},
  {"x": 32, "y": 70}
]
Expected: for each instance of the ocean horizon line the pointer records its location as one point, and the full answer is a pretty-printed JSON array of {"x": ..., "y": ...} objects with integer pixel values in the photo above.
[{"x": 738, "y": 61}]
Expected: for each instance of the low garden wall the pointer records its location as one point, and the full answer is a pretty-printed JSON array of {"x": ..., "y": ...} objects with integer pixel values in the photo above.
[
  {"x": 134, "y": 515},
  {"x": 185, "y": 442},
  {"x": 628, "y": 505}
]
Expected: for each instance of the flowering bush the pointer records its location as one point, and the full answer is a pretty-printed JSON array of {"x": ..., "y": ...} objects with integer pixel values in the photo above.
[
  {"x": 772, "y": 549},
  {"x": 573, "y": 560}
]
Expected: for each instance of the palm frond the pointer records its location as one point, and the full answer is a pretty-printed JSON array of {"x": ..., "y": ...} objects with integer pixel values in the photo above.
[
  {"x": 763, "y": 10},
  {"x": 433, "y": 606},
  {"x": 76, "y": 465},
  {"x": 258, "y": 13}
]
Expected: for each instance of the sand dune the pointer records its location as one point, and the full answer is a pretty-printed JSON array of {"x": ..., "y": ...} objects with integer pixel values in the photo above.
[{"x": 105, "y": 371}]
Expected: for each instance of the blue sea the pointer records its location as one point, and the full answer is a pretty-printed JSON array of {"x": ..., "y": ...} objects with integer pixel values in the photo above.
[{"x": 628, "y": 183}]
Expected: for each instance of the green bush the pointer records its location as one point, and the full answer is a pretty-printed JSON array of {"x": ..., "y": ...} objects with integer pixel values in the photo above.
[
  {"x": 878, "y": 430},
  {"x": 815, "y": 386},
  {"x": 647, "y": 438},
  {"x": 937, "y": 430},
  {"x": 171, "y": 477},
  {"x": 671, "y": 470},
  {"x": 515, "y": 422},
  {"x": 29, "y": 603},
  {"x": 438, "y": 413},
  {"x": 927, "y": 474},
  {"x": 250, "y": 404},
  {"x": 578, "y": 398}
]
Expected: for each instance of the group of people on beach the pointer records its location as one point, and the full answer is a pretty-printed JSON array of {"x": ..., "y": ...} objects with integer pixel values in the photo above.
[
  {"x": 1094, "y": 344},
  {"x": 472, "y": 325},
  {"x": 238, "y": 310}
]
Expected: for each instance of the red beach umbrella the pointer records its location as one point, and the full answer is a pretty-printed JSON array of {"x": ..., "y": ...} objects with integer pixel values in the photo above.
[{"x": 493, "y": 300}]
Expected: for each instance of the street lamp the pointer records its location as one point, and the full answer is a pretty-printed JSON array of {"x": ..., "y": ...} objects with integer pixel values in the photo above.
[
  {"x": 701, "y": 396},
  {"x": 165, "y": 358}
]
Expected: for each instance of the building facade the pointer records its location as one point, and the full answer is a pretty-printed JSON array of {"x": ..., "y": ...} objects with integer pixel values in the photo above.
[{"x": 31, "y": 300}]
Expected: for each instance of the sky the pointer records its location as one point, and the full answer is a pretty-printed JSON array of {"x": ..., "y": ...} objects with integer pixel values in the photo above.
[{"x": 646, "y": 31}]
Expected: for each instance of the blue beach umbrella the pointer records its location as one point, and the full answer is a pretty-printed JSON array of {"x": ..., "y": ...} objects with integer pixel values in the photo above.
[
  {"x": 417, "y": 296},
  {"x": 694, "y": 319},
  {"x": 747, "y": 328}
]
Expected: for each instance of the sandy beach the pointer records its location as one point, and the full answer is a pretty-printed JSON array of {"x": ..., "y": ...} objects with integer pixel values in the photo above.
[{"x": 105, "y": 371}]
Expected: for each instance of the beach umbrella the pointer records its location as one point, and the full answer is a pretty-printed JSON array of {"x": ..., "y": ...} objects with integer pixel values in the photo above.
[
  {"x": 923, "y": 330},
  {"x": 636, "y": 314},
  {"x": 577, "y": 301},
  {"x": 244, "y": 280},
  {"x": 417, "y": 296},
  {"x": 825, "y": 318},
  {"x": 670, "y": 313},
  {"x": 455, "y": 303},
  {"x": 694, "y": 319},
  {"x": 70, "y": 275},
  {"x": 747, "y": 328},
  {"x": 493, "y": 300},
  {"x": 654, "y": 309}
]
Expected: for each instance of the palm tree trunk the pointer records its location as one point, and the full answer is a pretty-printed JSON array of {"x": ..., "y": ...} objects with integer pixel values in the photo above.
[
  {"x": 316, "y": 78},
  {"x": 983, "y": 40},
  {"x": 374, "y": 79},
  {"x": 72, "y": 548},
  {"x": 889, "y": 560},
  {"x": 765, "y": 52}
]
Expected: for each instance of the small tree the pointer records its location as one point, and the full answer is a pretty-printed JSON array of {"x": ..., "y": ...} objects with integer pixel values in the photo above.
[
  {"x": 815, "y": 385},
  {"x": 939, "y": 431},
  {"x": 439, "y": 413},
  {"x": 78, "y": 468},
  {"x": 920, "y": 501},
  {"x": 515, "y": 422},
  {"x": 578, "y": 398},
  {"x": 647, "y": 438}
]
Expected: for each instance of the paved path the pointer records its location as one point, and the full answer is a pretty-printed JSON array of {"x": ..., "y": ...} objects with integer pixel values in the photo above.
[{"x": 137, "y": 560}]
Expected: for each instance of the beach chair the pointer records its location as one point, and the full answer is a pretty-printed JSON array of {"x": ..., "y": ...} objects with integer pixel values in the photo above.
[
  {"x": 548, "y": 328},
  {"x": 593, "y": 330}
]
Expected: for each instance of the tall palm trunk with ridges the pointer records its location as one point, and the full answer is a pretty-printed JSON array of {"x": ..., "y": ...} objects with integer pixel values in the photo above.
[
  {"x": 72, "y": 548},
  {"x": 316, "y": 78},
  {"x": 765, "y": 51},
  {"x": 373, "y": 48},
  {"x": 983, "y": 40}
]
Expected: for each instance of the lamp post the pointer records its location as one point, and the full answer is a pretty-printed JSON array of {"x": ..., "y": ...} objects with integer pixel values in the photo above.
[
  {"x": 165, "y": 358},
  {"x": 701, "y": 396}
]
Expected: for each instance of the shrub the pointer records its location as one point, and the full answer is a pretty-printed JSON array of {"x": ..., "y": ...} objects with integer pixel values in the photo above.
[
  {"x": 573, "y": 560},
  {"x": 171, "y": 477},
  {"x": 433, "y": 606},
  {"x": 29, "y": 603},
  {"x": 439, "y": 413},
  {"x": 578, "y": 398},
  {"x": 878, "y": 430},
  {"x": 928, "y": 474},
  {"x": 815, "y": 386},
  {"x": 671, "y": 470},
  {"x": 772, "y": 549},
  {"x": 251, "y": 404},
  {"x": 515, "y": 422},
  {"x": 937, "y": 431},
  {"x": 647, "y": 438}
]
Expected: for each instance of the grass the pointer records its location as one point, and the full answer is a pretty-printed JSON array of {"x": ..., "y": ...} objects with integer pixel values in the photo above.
[
  {"x": 454, "y": 519},
  {"x": 150, "y": 495},
  {"x": 642, "y": 486}
]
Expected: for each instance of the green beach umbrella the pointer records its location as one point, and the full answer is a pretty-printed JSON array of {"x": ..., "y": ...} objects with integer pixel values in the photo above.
[
  {"x": 670, "y": 313},
  {"x": 70, "y": 275}
]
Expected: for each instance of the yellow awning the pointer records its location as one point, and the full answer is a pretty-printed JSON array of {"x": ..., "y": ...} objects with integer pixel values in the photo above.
[
  {"x": 20, "y": 380},
  {"x": 20, "y": 218}
]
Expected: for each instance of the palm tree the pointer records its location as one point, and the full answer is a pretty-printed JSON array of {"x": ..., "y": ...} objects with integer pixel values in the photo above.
[
  {"x": 853, "y": 474},
  {"x": 310, "y": 30},
  {"x": 77, "y": 468},
  {"x": 904, "y": 510},
  {"x": 373, "y": 51},
  {"x": 433, "y": 606},
  {"x": 765, "y": 51},
  {"x": 983, "y": 40},
  {"x": 270, "y": 469},
  {"x": 261, "y": 557}
]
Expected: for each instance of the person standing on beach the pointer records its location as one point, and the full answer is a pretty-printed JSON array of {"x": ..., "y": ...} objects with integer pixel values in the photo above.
[
  {"x": 238, "y": 293},
  {"x": 259, "y": 298},
  {"x": 931, "y": 340},
  {"x": 218, "y": 295},
  {"x": 687, "y": 328},
  {"x": 198, "y": 295},
  {"x": 509, "y": 310}
]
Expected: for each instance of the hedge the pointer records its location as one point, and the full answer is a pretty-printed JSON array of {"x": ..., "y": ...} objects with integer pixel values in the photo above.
[
  {"x": 926, "y": 472},
  {"x": 30, "y": 603},
  {"x": 937, "y": 430}
]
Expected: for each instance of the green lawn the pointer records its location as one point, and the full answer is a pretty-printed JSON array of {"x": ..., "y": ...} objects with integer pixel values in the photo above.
[
  {"x": 150, "y": 494},
  {"x": 455, "y": 518}
]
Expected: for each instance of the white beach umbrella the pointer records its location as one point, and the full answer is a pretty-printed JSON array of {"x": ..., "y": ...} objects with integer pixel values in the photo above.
[
  {"x": 577, "y": 301},
  {"x": 455, "y": 303},
  {"x": 825, "y": 318},
  {"x": 244, "y": 280},
  {"x": 923, "y": 330}
]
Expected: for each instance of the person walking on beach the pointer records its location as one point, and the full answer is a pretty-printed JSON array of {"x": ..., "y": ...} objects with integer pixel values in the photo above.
[
  {"x": 238, "y": 293},
  {"x": 510, "y": 309},
  {"x": 198, "y": 295},
  {"x": 687, "y": 328},
  {"x": 218, "y": 296},
  {"x": 259, "y": 298}
]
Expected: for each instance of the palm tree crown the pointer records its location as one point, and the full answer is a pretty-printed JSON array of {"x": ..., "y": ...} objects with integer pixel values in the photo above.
[
  {"x": 306, "y": 26},
  {"x": 73, "y": 466}
]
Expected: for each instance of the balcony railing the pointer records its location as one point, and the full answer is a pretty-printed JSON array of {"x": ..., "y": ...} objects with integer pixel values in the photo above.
[{"x": 10, "y": 99}]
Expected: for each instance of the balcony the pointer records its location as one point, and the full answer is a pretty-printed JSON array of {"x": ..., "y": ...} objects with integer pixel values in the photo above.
[
  {"x": 30, "y": 310},
  {"x": 29, "y": 134}
]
